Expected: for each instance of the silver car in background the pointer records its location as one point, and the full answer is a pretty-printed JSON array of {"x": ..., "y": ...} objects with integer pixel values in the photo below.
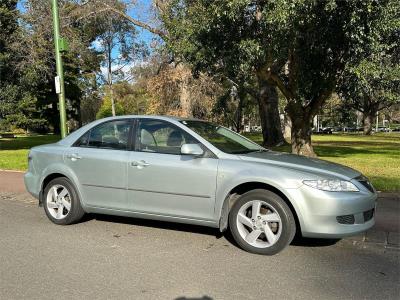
[{"x": 195, "y": 172}]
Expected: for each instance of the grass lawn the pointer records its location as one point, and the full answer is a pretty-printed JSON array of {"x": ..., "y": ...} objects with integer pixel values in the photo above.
[
  {"x": 14, "y": 152},
  {"x": 377, "y": 156}
]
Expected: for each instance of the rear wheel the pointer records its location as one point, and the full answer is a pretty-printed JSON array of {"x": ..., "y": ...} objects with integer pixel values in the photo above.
[
  {"x": 261, "y": 222},
  {"x": 61, "y": 202}
]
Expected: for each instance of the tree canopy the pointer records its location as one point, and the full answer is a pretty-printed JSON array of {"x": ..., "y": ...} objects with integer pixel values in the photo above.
[
  {"x": 371, "y": 79},
  {"x": 297, "y": 46}
]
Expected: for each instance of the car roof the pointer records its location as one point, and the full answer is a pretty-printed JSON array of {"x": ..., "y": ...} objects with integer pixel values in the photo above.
[{"x": 175, "y": 118}]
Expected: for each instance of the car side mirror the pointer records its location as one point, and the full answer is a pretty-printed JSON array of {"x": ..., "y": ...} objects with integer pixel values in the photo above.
[{"x": 192, "y": 149}]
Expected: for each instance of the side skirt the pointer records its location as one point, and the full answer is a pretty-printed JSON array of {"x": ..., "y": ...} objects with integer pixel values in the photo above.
[{"x": 150, "y": 216}]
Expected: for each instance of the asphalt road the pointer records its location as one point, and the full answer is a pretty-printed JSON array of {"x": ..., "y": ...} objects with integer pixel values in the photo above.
[{"x": 109, "y": 257}]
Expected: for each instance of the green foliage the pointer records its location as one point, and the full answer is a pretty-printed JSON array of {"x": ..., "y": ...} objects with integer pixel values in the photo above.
[
  {"x": 132, "y": 98},
  {"x": 371, "y": 80},
  {"x": 105, "y": 109},
  {"x": 29, "y": 100},
  {"x": 240, "y": 37},
  {"x": 8, "y": 25},
  {"x": 26, "y": 115}
]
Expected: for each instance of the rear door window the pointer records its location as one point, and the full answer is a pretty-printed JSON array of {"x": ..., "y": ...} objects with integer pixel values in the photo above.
[{"x": 109, "y": 135}]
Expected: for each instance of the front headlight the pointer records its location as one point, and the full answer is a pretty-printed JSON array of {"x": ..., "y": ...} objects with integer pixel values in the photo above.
[{"x": 332, "y": 185}]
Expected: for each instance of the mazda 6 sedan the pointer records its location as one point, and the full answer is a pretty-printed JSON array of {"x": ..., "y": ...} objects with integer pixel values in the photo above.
[{"x": 195, "y": 172}]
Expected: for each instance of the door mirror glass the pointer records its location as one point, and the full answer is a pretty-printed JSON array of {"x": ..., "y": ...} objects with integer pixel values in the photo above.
[{"x": 192, "y": 149}]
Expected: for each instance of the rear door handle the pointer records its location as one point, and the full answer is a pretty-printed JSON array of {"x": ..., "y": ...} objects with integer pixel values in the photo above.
[
  {"x": 140, "y": 164},
  {"x": 74, "y": 156}
]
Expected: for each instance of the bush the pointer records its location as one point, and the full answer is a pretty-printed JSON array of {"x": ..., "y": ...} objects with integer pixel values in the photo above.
[
  {"x": 106, "y": 111},
  {"x": 4, "y": 126}
]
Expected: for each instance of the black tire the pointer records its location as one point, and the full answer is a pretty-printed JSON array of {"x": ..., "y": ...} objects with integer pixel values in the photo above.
[
  {"x": 288, "y": 223},
  {"x": 75, "y": 213}
]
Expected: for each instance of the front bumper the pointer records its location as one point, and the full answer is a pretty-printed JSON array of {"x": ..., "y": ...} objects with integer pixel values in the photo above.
[{"x": 319, "y": 212}]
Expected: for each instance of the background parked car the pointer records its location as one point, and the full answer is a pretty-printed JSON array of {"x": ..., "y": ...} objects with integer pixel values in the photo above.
[
  {"x": 384, "y": 129},
  {"x": 327, "y": 130}
]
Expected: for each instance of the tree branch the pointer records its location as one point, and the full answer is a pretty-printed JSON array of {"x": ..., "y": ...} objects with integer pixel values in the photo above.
[
  {"x": 315, "y": 104},
  {"x": 138, "y": 23},
  {"x": 282, "y": 86},
  {"x": 88, "y": 15}
]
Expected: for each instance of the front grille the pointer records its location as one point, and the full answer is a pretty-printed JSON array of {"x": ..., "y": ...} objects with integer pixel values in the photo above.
[
  {"x": 368, "y": 214},
  {"x": 346, "y": 219},
  {"x": 364, "y": 181}
]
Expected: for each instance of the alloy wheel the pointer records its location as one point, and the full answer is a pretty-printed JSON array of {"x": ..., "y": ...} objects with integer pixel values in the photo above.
[
  {"x": 58, "y": 201},
  {"x": 259, "y": 224}
]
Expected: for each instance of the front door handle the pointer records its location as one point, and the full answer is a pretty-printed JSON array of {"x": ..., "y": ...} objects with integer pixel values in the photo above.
[
  {"x": 140, "y": 164},
  {"x": 74, "y": 156}
]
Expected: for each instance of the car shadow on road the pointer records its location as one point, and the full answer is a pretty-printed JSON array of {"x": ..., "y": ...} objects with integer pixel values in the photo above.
[
  {"x": 298, "y": 241},
  {"x": 155, "y": 224}
]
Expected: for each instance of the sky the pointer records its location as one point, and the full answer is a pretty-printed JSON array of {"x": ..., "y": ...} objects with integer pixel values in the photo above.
[{"x": 20, "y": 5}]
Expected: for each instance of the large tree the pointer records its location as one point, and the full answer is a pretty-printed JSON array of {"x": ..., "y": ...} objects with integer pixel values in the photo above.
[
  {"x": 117, "y": 44},
  {"x": 299, "y": 46},
  {"x": 8, "y": 78},
  {"x": 371, "y": 87},
  {"x": 35, "y": 102},
  {"x": 371, "y": 80},
  {"x": 227, "y": 38}
]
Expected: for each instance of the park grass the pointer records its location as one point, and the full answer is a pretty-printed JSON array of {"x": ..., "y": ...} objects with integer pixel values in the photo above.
[
  {"x": 14, "y": 152},
  {"x": 376, "y": 156}
]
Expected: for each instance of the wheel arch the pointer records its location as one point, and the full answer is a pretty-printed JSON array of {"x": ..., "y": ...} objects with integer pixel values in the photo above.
[
  {"x": 57, "y": 171},
  {"x": 245, "y": 187}
]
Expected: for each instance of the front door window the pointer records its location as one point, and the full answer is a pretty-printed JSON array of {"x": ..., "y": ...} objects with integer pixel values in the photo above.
[{"x": 158, "y": 136}]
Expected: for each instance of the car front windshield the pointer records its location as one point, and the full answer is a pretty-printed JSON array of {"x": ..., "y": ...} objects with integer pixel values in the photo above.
[{"x": 223, "y": 138}]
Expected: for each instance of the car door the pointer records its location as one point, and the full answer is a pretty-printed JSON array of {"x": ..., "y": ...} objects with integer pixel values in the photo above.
[
  {"x": 99, "y": 159},
  {"x": 164, "y": 182}
]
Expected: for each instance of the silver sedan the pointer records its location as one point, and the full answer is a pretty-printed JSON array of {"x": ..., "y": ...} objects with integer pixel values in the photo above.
[{"x": 195, "y": 172}]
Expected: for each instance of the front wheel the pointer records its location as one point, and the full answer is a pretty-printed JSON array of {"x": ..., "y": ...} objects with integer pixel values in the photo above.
[
  {"x": 261, "y": 222},
  {"x": 61, "y": 202}
]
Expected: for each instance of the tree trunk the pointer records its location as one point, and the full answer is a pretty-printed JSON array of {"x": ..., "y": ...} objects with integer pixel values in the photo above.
[
  {"x": 184, "y": 97},
  {"x": 287, "y": 128},
  {"x": 368, "y": 121},
  {"x": 369, "y": 112},
  {"x": 239, "y": 111},
  {"x": 112, "y": 101},
  {"x": 301, "y": 129},
  {"x": 110, "y": 81},
  {"x": 301, "y": 139},
  {"x": 269, "y": 114}
]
